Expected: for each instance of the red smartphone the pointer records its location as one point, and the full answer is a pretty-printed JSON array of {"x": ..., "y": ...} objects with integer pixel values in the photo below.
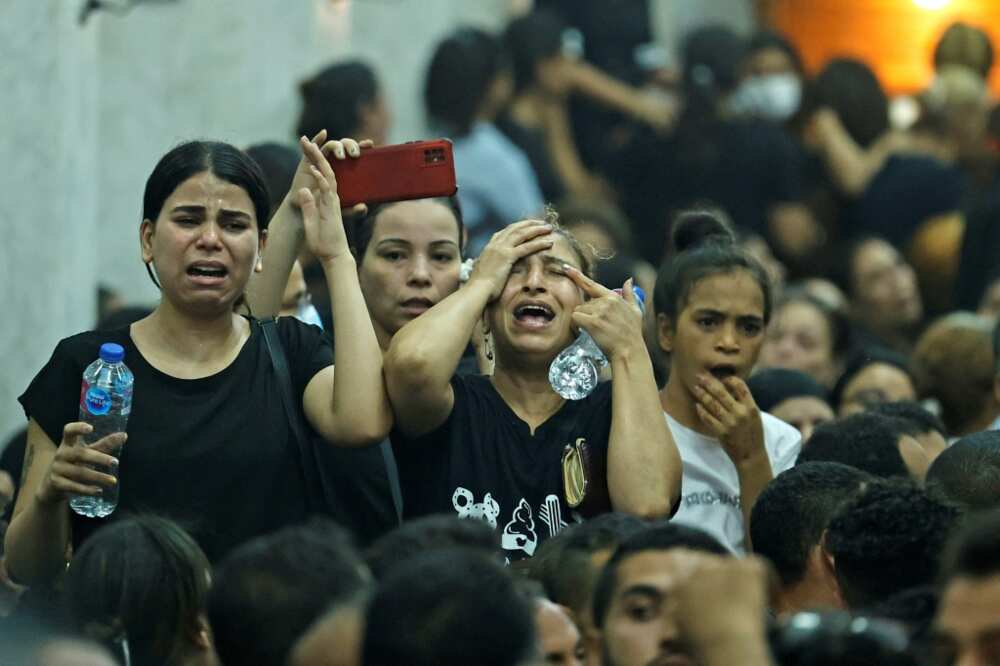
[{"x": 414, "y": 170}]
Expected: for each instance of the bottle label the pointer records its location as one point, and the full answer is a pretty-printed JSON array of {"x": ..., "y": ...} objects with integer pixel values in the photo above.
[{"x": 97, "y": 400}]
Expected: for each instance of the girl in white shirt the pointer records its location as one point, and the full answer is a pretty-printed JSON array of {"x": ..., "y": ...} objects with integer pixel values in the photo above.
[{"x": 712, "y": 304}]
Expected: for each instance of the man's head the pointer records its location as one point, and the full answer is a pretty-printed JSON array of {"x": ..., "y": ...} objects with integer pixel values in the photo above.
[
  {"x": 268, "y": 592},
  {"x": 923, "y": 426},
  {"x": 875, "y": 444},
  {"x": 631, "y": 601},
  {"x": 436, "y": 532},
  {"x": 967, "y": 627},
  {"x": 559, "y": 640},
  {"x": 336, "y": 638},
  {"x": 887, "y": 538},
  {"x": 968, "y": 472},
  {"x": 787, "y": 526},
  {"x": 449, "y": 608}
]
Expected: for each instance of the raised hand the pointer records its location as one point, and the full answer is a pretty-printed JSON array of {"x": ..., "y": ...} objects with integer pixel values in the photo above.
[
  {"x": 317, "y": 199},
  {"x": 71, "y": 471},
  {"x": 729, "y": 410},
  {"x": 506, "y": 248},
  {"x": 319, "y": 148},
  {"x": 615, "y": 322}
]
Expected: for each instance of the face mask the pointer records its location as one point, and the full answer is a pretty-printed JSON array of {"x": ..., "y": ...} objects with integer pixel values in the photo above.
[
  {"x": 772, "y": 97},
  {"x": 308, "y": 314}
]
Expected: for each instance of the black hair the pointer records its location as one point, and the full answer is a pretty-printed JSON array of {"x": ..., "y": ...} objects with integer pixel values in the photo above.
[
  {"x": 702, "y": 246},
  {"x": 278, "y": 164},
  {"x": 435, "y": 532},
  {"x": 915, "y": 608},
  {"x": 967, "y": 473},
  {"x": 966, "y": 45},
  {"x": 791, "y": 514},
  {"x": 332, "y": 99},
  {"x": 889, "y": 537},
  {"x": 531, "y": 39},
  {"x": 763, "y": 40},
  {"x": 563, "y": 564},
  {"x": 974, "y": 552},
  {"x": 449, "y": 608},
  {"x": 140, "y": 581},
  {"x": 222, "y": 160},
  {"x": 772, "y": 386},
  {"x": 362, "y": 230},
  {"x": 852, "y": 90},
  {"x": 861, "y": 358},
  {"x": 462, "y": 69},
  {"x": 866, "y": 441},
  {"x": 922, "y": 421},
  {"x": 665, "y": 536},
  {"x": 267, "y": 592}
]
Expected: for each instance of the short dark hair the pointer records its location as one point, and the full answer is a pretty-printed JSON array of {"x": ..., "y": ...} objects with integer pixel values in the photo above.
[
  {"x": 974, "y": 552},
  {"x": 920, "y": 419},
  {"x": 563, "y": 564},
  {"x": 267, "y": 592},
  {"x": 887, "y": 538},
  {"x": 531, "y": 39},
  {"x": 332, "y": 98},
  {"x": 362, "y": 230},
  {"x": 915, "y": 608},
  {"x": 462, "y": 69},
  {"x": 861, "y": 358},
  {"x": 666, "y": 536},
  {"x": 866, "y": 441},
  {"x": 703, "y": 246},
  {"x": 853, "y": 91},
  {"x": 968, "y": 472},
  {"x": 142, "y": 579},
  {"x": 791, "y": 514},
  {"x": 448, "y": 608},
  {"x": 769, "y": 39},
  {"x": 435, "y": 532}
]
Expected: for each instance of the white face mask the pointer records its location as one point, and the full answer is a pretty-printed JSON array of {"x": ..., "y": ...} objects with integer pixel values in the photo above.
[
  {"x": 307, "y": 313},
  {"x": 772, "y": 96}
]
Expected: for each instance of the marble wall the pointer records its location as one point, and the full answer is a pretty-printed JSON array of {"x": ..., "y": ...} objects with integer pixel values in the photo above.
[{"x": 90, "y": 108}]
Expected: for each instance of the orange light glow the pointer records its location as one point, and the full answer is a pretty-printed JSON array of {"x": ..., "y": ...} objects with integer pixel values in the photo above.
[{"x": 896, "y": 37}]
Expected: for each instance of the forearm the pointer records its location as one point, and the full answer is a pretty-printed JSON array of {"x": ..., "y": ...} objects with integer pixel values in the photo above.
[
  {"x": 36, "y": 542},
  {"x": 600, "y": 87},
  {"x": 754, "y": 475},
  {"x": 284, "y": 238},
  {"x": 426, "y": 351},
  {"x": 559, "y": 140},
  {"x": 644, "y": 467},
  {"x": 360, "y": 405},
  {"x": 745, "y": 647}
]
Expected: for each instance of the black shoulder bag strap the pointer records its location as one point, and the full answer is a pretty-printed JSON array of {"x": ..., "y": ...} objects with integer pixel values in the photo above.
[
  {"x": 316, "y": 493},
  {"x": 319, "y": 497}
]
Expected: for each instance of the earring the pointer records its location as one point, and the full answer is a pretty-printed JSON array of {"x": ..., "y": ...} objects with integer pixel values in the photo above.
[{"x": 488, "y": 346}]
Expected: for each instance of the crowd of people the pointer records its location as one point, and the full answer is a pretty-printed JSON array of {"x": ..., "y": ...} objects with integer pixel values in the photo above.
[{"x": 345, "y": 447}]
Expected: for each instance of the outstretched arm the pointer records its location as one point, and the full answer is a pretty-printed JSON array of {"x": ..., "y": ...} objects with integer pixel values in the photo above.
[{"x": 644, "y": 467}]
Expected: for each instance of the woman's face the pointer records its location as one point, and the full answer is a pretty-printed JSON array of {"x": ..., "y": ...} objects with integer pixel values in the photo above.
[
  {"x": 885, "y": 287},
  {"x": 799, "y": 338},
  {"x": 204, "y": 244},
  {"x": 803, "y": 413},
  {"x": 719, "y": 331},
  {"x": 876, "y": 383},
  {"x": 532, "y": 318},
  {"x": 411, "y": 263}
]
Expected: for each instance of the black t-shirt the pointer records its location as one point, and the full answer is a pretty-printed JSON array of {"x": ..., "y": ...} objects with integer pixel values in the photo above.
[
  {"x": 532, "y": 142},
  {"x": 215, "y": 454},
  {"x": 484, "y": 463}
]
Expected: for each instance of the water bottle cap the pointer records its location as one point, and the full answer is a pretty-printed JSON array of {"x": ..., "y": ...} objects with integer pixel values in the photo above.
[
  {"x": 112, "y": 353},
  {"x": 640, "y": 293}
]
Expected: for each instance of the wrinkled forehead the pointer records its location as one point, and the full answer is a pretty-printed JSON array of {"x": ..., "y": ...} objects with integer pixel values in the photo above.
[
  {"x": 417, "y": 222},
  {"x": 207, "y": 191}
]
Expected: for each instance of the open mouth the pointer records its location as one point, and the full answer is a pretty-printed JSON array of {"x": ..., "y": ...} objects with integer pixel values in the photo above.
[
  {"x": 720, "y": 372},
  {"x": 417, "y": 305},
  {"x": 534, "y": 314},
  {"x": 207, "y": 271}
]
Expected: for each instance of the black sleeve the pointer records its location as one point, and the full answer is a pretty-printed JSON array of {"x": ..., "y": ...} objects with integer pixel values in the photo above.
[
  {"x": 784, "y": 169},
  {"x": 53, "y": 397},
  {"x": 307, "y": 349}
]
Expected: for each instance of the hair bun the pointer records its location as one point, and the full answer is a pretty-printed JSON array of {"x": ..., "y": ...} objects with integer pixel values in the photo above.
[{"x": 698, "y": 227}]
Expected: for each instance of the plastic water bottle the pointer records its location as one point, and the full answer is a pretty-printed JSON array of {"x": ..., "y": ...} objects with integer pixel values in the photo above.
[
  {"x": 105, "y": 403},
  {"x": 576, "y": 371}
]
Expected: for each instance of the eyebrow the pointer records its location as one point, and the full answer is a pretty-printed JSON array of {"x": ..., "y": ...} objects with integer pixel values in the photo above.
[
  {"x": 200, "y": 210},
  {"x": 403, "y": 241},
  {"x": 719, "y": 313},
  {"x": 645, "y": 591}
]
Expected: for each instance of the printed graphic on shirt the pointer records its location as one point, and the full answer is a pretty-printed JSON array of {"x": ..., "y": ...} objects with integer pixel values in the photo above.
[
  {"x": 465, "y": 504},
  {"x": 551, "y": 515},
  {"x": 519, "y": 533},
  {"x": 709, "y": 497}
]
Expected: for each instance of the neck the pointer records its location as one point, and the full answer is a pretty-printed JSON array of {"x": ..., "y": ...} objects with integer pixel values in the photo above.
[
  {"x": 196, "y": 338},
  {"x": 810, "y": 593},
  {"x": 527, "y": 393},
  {"x": 678, "y": 402}
]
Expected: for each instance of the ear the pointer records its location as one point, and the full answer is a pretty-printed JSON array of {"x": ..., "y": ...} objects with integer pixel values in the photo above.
[
  {"x": 200, "y": 634},
  {"x": 828, "y": 565},
  {"x": 665, "y": 333},
  {"x": 261, "y": 244},
  {"x": 146, "y": 231}
]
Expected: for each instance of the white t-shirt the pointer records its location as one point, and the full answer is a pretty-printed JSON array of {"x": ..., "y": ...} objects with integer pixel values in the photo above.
[{"x": 710, "y": 490}]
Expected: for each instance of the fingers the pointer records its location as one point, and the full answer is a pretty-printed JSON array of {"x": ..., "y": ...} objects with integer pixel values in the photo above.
[
  {"x": 366, "y": 143},
  {"x": 589, "y": 287},
  {"x": 717, "y": 390},
  {"x": 351, "y": 147},
  {"x": 73, "y": 432},
  {"x": 109, "y": 444},
  {"x": 82, "y": 475},
  {"x": 710, "y": 420},
  {"x": 306, "y": 202},
  {"x": 739, "y": 390},
  {"x": 628, "y": 293},
  {"x": 525, "y": 230},
  {"x": 531, "y": 247}
]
